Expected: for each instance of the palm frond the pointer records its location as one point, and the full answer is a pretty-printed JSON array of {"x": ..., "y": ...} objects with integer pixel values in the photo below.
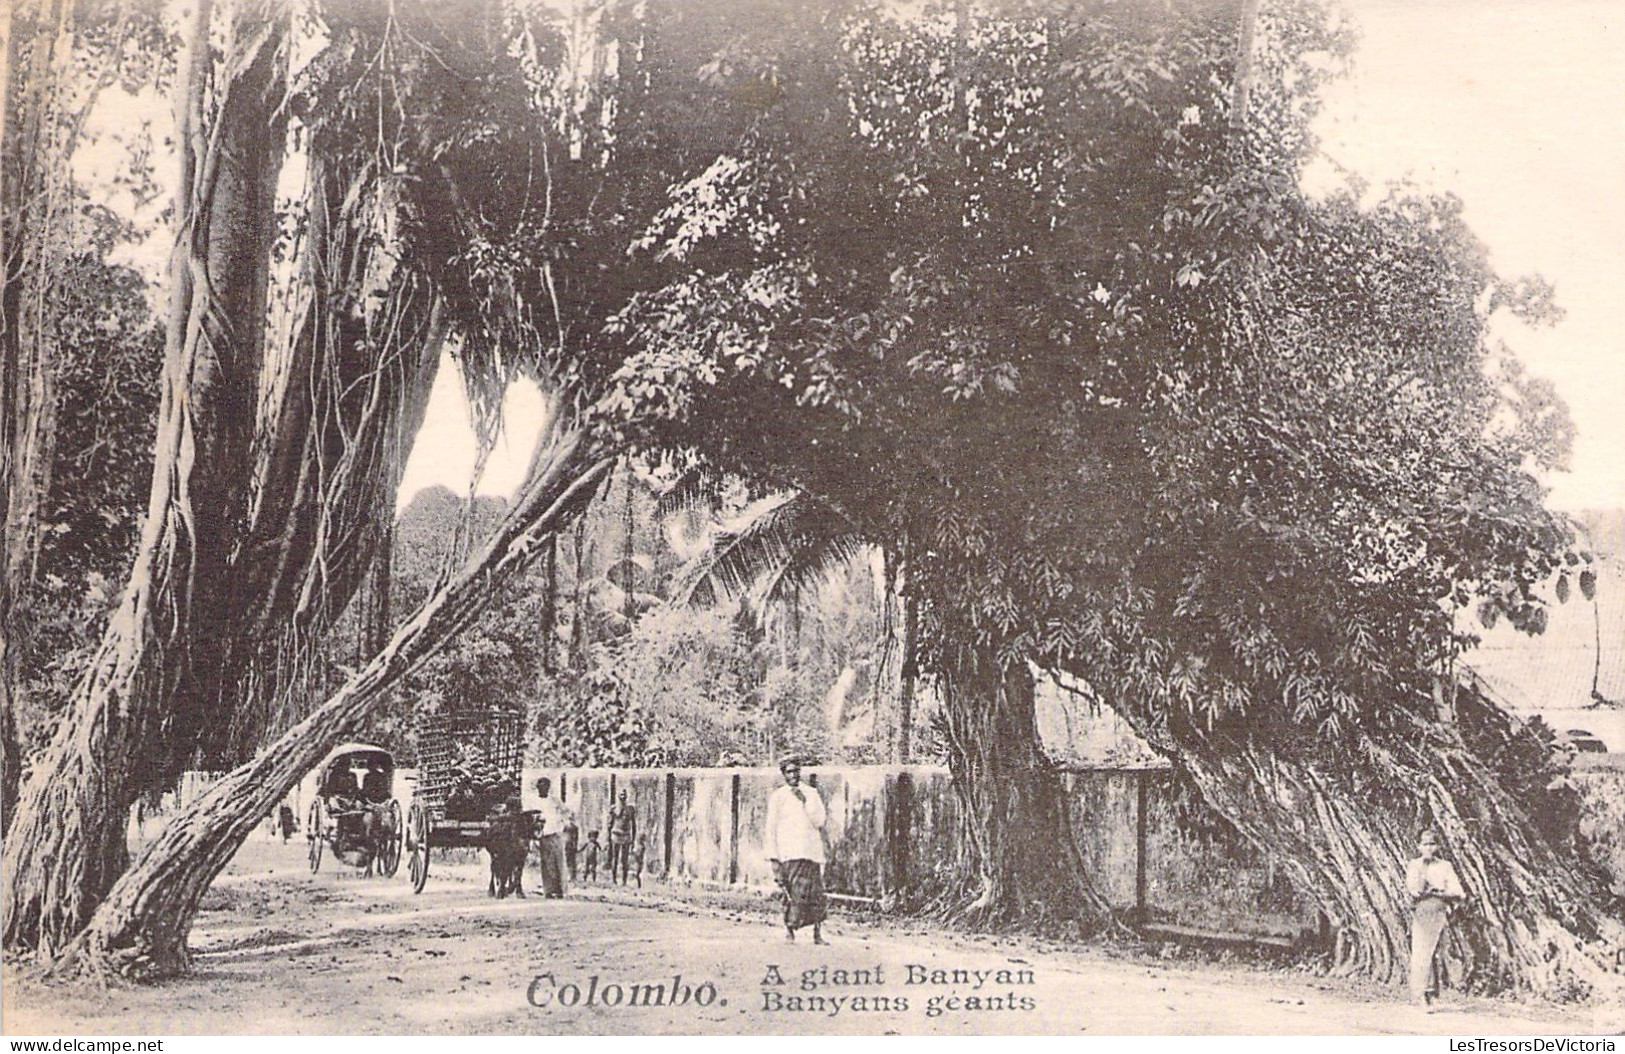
[
  {"x": 820, "y": 556},
  {"x": 701, "y": 487},
  {"x": 777, "y": 547}
]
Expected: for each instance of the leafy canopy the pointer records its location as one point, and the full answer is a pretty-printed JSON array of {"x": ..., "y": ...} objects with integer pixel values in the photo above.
[{"x": 1006, "y": 287}]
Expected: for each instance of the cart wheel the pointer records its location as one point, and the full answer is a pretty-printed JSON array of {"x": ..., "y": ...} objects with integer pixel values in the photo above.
[
  {"x": 313, "y": 831},
  {"x": 389, "y": 850},
  {"x": 417, "y": 845}
]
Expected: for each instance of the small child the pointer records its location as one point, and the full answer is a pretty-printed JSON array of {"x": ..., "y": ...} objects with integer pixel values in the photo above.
[
  {"x": 589, "y": 857},
  {"x": 637, "y": 860}
]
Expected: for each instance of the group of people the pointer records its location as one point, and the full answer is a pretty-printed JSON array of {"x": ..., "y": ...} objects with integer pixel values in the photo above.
[
  {"x": 794, "y": 843},
  {"x": 564, "y": 853},
  {"x": 793, "y": 839}
]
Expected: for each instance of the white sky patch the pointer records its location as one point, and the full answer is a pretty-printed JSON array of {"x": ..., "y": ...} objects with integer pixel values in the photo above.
[
  {"x": 445, "y": 452},
  {"x": 1518, "y": 107}
]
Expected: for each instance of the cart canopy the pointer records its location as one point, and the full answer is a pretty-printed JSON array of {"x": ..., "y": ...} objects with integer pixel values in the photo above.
[{"x": 359, "y": 770}]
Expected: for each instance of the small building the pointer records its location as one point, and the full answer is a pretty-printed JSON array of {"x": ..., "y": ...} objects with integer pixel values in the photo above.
[{"x": 1572, "y": 676}]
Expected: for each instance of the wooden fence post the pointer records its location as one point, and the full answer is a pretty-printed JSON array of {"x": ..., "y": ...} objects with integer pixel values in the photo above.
[
  {"x": 1139, "y": 845},
  {"x": 671, "y": 797},
  {"x": 733, "y": 834}
]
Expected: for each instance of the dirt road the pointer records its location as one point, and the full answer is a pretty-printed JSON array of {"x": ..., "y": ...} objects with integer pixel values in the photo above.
[{"x": 281, "y": 951}]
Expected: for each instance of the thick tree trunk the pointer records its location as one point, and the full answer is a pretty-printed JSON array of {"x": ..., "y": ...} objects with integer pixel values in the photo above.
[
  {"x": 1344, "y": 822},
  {"x": 353, "y": 385},
  {"x": 1018, "y": 861},
  {"x": 909, "y": 678},
  {"x": 27, "y": 440},
  {"x": 15, "y": 533},
  {"x": 549, "y": 630},
  {"x": 141, "y": 929},
  {"x": 25, "y": 434},
  {"x": 67, "y": 844}
]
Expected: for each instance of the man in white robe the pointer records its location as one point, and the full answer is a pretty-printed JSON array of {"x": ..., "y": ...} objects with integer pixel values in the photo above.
[
  {"x": 1435, "y": 889},
  {"x": 795, "y": 847}
]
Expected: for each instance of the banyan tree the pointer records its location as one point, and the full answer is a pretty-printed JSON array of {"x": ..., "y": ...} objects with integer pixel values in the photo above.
[
  {"x": 1042, "y": 305},
  {"x": 1026, "y": 292}
]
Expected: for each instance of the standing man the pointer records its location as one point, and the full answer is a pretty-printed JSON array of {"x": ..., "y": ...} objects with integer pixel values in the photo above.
[
  {"x": 795, "y": 847},
  {"x": 1434, "y": 889},
  {"x": 553, "y": 819},
  {"x": 623, "y": 831}
]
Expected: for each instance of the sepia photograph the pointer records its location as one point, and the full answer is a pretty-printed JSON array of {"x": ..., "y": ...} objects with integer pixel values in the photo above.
[{"x": 812, "y": 517}]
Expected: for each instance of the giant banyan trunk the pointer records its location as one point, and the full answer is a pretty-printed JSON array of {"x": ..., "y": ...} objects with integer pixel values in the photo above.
[
  {"x": 354, "y": 384},
  {"x": 32, "y": 40},
  {"x": 67, "y": 843},
  {"x": 1345, "y": 820},
  {"x": 1018, "y": 861},
  {"x": 11, "y": 761},
  {"x": 141, "y": 929}
]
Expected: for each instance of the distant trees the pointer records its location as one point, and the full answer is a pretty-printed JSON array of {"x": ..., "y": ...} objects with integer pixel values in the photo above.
[
  {"x": 742, "y": 678},
  {"x": 100, "y": 347},
  {"x": 497, "y": 659}
]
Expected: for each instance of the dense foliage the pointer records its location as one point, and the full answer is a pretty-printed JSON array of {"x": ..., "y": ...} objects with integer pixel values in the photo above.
[{"x": 740, "y": 680}]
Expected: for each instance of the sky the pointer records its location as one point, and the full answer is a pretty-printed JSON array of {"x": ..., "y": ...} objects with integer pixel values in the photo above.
[
  {"x": 445, "y": 452},
  {"x": 1517, "y": 106}
]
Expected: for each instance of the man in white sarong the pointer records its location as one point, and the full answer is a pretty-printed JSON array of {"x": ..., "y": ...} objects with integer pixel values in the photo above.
[
  {"x": 554, "y": 818},
  {"x": 794, "y": 840}
]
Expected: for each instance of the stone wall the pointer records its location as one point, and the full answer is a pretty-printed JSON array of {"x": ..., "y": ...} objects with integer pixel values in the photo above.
[
  {"x": 1601, "y": 784},
  {"x": 892, "y": 826}
]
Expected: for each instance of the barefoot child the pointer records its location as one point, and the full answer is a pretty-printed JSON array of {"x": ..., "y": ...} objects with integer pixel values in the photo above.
[{"x": 589, "y": 857}]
